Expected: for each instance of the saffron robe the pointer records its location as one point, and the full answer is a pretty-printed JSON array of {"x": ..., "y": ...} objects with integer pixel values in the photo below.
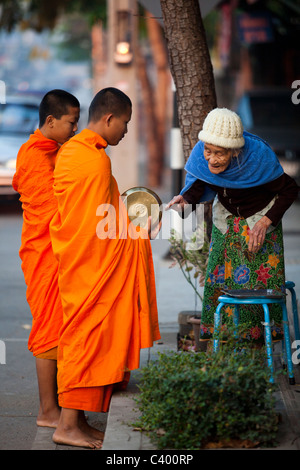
[
  {"x": 106, "y": 278},
  {"x": 33, "y": 180}
]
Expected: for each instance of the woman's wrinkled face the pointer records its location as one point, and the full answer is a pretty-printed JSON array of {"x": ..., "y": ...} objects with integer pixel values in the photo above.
[{"x": 218, "y": 158}]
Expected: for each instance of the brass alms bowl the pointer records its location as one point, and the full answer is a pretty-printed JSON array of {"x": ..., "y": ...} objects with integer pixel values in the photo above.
[{"x": 142, "y": 203}]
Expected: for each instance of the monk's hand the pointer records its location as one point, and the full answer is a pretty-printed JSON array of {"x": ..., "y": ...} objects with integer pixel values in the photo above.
[
  {"x": 258, "y": 233},
  {"x": 177, "y": 203},
  {"x": 153, "y": 231}
]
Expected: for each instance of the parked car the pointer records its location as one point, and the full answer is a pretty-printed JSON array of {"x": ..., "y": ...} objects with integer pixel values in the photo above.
[
  {"x": 271, "y": 114},
  {"x": 19, "y": 117}
]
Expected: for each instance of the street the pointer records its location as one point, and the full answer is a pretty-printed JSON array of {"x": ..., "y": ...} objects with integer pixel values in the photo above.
[
  {"x": 19, "y": 395},
  {"x": 18, "y": 385}
]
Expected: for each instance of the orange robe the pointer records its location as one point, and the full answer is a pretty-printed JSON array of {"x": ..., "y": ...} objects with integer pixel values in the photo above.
[
  {"x": 34, "y": 182},
  {"x": 106, "y": 278}
]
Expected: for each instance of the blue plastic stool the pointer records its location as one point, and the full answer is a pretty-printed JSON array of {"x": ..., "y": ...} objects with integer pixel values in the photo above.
[
  {"x": 226, "y": 299},
  {"x": 290, "y": 286}
]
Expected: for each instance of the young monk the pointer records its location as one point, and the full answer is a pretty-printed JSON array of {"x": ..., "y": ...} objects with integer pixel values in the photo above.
[
  {"x": 106, "y": 277},
  {"x": 58, "y": 114}
]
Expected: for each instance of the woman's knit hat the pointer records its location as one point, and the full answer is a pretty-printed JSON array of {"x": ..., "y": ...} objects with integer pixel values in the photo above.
[{"x": 223, "y": 128}]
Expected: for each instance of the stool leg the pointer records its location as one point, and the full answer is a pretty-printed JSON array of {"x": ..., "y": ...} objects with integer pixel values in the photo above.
[
  {"x": 268, "y": 341},
  {"x": 217, "y": 323},
  {"x": 236, "y": 318},
  {"x": 295, "y": 313},
  {"x": 287, "y": 344},
  {"x": 283, "y": 354}
]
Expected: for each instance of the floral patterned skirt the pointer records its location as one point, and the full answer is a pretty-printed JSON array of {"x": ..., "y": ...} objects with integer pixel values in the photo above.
[{"x": 232, "y": 266}]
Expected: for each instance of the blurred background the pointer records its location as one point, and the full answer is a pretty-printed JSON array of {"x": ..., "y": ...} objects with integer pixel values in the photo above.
[{"x": 85, "y": 46}]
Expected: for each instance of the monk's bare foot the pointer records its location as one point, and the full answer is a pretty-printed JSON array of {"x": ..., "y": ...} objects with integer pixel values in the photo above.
[
  {"x": 49, "y": 419},
  {"x": 76, "y": 437},
  {"x": 91, "y": 431}
]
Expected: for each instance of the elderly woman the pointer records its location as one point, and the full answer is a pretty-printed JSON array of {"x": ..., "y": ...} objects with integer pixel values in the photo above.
[{"x": 251, "y": 194}]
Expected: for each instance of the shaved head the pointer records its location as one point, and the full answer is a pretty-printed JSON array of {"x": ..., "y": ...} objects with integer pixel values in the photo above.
[
  {"x": 108, "y": 101},
  {"x": 56, "y": 103}
]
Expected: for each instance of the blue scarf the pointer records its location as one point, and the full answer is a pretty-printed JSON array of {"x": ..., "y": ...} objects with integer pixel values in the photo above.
[{"x": 257, "y": 164}]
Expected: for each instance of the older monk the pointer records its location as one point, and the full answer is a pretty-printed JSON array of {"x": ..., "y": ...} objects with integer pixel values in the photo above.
[{"x": 106, "y": 277}]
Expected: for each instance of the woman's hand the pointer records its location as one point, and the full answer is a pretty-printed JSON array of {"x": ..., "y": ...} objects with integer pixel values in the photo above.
[
  {"x": 258, "y": 233},
  {"x": 179, "y": 203}
]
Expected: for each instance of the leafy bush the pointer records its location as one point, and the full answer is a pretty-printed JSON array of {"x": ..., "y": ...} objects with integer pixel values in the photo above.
[{"x": 188, "y": 400}]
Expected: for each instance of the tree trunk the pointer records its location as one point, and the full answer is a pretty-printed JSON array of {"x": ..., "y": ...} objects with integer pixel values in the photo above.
[
  {"x": 192, "y": 72},
  {"x": 154, "y": 161},
  {"x": 161, "y": 96},
  {"x": 191, "y": 67}
]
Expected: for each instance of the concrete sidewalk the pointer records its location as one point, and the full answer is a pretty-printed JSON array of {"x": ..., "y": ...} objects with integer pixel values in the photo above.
[
  {"x": 120, "y": 433},
  {"x": 174, "y": 295},
  {"x": 19, "y": 392}
]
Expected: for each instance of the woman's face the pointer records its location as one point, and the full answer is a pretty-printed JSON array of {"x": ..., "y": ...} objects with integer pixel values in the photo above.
[{"x": 218, "y": 158}]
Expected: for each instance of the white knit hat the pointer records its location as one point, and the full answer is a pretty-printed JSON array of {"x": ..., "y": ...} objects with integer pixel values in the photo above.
[{"x": 223, "y": 128}]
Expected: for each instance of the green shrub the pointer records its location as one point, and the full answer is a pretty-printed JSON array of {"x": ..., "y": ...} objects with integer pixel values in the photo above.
[{"x": 189, "y": 399}]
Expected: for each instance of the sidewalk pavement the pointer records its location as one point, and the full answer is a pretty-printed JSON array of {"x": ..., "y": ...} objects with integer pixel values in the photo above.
[
  {"x": 174, "y": 295},
  {"x": 120, "y": 433}
]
